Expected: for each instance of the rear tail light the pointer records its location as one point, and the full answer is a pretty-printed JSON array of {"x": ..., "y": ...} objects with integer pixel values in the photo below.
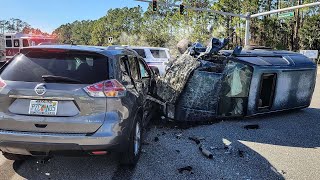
[
  {"x": 2, "y": 84},
  {"x": 109, "y": 88}
]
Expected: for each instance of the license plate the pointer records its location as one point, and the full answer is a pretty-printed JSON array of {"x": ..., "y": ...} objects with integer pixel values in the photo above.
[{"x": 43, "y": 107}]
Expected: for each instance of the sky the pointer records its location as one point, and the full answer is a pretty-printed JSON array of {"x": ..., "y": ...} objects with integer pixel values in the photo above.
[{"x": 47, "y": 15}]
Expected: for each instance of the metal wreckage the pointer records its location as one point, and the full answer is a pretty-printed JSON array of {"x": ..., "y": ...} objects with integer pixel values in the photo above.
[{"x": 208, "y": 83}]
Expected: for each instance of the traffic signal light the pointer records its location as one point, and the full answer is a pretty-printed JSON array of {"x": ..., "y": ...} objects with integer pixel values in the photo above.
[
  {"x": 154, "y": 5},
  {"x": 181, "y": 9}
]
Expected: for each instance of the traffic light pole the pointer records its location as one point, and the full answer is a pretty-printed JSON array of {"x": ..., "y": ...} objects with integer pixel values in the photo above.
[{"x": 247, "y": 17}]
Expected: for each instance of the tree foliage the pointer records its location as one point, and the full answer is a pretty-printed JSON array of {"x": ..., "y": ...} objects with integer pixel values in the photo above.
[{"x": 165, "y": 27}]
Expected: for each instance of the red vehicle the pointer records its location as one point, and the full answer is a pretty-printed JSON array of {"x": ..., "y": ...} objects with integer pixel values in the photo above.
[{"x": 15, "y": 41}]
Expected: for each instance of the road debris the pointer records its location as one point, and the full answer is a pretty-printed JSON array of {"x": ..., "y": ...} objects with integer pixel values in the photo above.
[
  {"x": 156, "y": 139},
  {"x": 228, "y": 149},
  {"x": 212, "y": 147},
  {"x": 178, "y": 151},
  {"x": 240, "y": 153},
  {"x": 252, "y": 126},
  {"x": 197, "y": 140},
  {"x": 205, "y": 152},
  {"x": 178, "y": 136},
  {"x": 187, "y": 168}
]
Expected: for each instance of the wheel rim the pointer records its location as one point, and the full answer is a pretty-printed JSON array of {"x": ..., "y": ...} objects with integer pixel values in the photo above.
[{"x": 137, "y": 138}]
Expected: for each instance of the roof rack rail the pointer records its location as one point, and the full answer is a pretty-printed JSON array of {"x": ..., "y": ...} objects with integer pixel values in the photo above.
[
  {"x": 114, "y": 47},
  {"x": 256, "y": 47}
]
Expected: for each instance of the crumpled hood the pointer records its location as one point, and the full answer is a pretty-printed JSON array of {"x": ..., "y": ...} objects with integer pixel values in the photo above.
[{"x": 173, "y": 82}]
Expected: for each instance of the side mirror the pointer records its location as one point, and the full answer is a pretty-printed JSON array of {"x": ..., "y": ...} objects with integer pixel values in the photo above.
[{"x": 155, "y": 70}]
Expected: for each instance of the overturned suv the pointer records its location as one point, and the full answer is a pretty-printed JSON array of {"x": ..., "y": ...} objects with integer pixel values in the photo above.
[
  {"x": 208, "y": 83},
  {"x": 64, "y": 99}
]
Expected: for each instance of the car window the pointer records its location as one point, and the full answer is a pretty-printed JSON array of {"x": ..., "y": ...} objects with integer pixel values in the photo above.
[
  {"x": 156, "y": 53},
  {"x": 25, "y": 43},
  {"x": 237, "y": 80},
  {"x": 8, "y": 43},
  {"x": 31, "y": 66},
  {"x": 133, "y": 67},
  {"x": 143, "y": 70},
  {"x": 141, "y": 52},
  {"x": 16, "y": 43}
]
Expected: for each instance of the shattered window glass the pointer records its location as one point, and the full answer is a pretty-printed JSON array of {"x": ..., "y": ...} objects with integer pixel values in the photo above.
[
  {"x": 133, "y": 67},
  {"x": 235, "y": 89},
  {"x": 238, "y": 78},
  {"x": 144, "y": 73}
]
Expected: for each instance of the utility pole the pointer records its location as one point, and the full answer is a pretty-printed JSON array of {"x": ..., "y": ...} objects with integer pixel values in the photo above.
[
  {"x": 297, "y": 27},
  {"x": 247, "y": 32}
]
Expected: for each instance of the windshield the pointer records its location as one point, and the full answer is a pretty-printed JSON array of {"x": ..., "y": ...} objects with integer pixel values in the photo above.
[{"x": 33, "y": 66}]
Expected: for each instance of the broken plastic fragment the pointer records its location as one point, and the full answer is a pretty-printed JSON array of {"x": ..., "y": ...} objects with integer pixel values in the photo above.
[
  {"x": 195, "y": 139},
  {"x": 205, "y": 152}
]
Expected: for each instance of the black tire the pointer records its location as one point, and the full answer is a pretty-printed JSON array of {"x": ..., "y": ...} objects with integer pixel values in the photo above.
[
  {"x": 15, "y": 157},
  {"x": 130, "y": 157}
]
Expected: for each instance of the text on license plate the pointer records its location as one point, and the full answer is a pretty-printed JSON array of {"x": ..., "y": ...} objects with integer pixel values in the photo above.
[{"x": 43, "y": 107}]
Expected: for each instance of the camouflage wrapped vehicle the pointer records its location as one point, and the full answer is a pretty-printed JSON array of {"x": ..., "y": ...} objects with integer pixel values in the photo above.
[{"x": 219, "y": 84}]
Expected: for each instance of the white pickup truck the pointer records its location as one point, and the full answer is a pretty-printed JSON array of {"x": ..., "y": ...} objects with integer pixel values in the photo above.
[{"x": 2, "y": 48}]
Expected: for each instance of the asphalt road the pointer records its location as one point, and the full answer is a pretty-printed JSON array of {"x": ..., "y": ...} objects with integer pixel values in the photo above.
[{"x": 286, "y": 146}]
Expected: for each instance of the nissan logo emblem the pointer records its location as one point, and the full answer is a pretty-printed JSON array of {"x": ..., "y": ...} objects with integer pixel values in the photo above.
[{"x": 40, "y": 89}]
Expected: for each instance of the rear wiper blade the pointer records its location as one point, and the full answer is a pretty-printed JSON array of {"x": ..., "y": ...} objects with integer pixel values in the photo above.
[{"x": 52, "y": 78}]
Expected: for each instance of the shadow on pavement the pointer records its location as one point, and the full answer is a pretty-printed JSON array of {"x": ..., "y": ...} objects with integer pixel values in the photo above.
[{"x": 162, "y": 159}]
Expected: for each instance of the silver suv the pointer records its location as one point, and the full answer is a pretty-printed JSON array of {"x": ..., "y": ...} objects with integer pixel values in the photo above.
[{"x": 65, "y": 99}]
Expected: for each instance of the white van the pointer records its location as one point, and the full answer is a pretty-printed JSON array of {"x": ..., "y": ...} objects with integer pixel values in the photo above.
[{"x": 154, "y": 56}]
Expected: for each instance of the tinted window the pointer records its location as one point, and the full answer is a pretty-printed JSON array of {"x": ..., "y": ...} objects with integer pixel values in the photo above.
[
  {"x": 158, "y": 53},
  {"x": 133, "y": 67},
  {"x": 141, "y": 52},
  {"x": 8, "y": 43},
  {"x": 30, "y": 67}
]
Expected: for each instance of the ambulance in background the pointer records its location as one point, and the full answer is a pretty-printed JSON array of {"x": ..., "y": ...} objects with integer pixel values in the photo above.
[
  {"x": 2, "y": 48},
  {"x": 15, "y": 41}
]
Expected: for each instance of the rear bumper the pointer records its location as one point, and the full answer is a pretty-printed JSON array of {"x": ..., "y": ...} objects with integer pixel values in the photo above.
[
  {"x": 113, "y": 135},
  {"x": 24, "y": 143}
]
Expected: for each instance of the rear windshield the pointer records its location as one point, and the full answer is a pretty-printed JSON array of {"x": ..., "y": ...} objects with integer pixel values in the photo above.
[
  {"x": 30, "y": 67},
  {"x": 156, "y": 53},
  {"x": 141, "y": 52}
]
